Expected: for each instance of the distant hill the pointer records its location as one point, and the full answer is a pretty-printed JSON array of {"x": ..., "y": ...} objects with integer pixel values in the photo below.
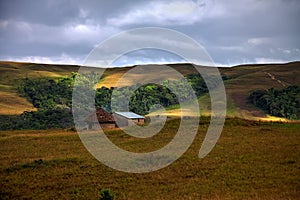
[
  {"x": 246, "y": 78},
  {"x": 240, "y": 81},
  {"x": 10, "y": 75}
]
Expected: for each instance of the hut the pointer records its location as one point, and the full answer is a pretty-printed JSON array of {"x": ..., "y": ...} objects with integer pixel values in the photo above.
[
  {"x": 101, "y": 117},
  {"x": 128, "y": 118}
]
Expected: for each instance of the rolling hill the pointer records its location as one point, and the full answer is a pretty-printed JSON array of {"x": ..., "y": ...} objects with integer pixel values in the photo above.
[
  {"x": 246, "y": 78},
  {"x": 10, "y": 75},
  {"x": 240, "y": 81}
]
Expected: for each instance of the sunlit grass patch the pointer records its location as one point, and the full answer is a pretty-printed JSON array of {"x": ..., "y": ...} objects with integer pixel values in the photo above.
[{"x": 11, "y": 104}]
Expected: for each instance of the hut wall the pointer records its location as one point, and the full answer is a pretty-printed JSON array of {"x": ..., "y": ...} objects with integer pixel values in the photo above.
[
  {"x": 139, "y": 121},
  {"x": 95, "y": 126},
  {"x": 121, "y": 121},
  {"x": 108, "y": 125}
]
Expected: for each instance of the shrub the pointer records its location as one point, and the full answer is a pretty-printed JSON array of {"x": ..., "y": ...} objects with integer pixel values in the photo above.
[{"x": 106, "y": 194}]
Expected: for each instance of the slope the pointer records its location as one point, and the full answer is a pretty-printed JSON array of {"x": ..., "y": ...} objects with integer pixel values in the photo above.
[
  {"x": 240, "y": 81},
  {"x": 10, "y": 75},
  {"x": 244, "y": 79}
]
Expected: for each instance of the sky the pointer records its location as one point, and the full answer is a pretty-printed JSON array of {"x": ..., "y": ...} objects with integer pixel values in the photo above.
[{"x": 232, "y": 31}]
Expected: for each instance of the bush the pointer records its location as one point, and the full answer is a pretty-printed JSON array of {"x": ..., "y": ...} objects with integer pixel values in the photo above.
[{"x": 106, "y": 194}]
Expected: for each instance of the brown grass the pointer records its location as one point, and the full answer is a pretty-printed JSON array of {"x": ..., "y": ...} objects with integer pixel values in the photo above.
[
  {"x": 250, "y": 161},
  {"x": 115, "y": 76},
  {"x": 246, "y": 78},
  {"x": 12, "y": 104},
  {"x": 10, "y": 75}
]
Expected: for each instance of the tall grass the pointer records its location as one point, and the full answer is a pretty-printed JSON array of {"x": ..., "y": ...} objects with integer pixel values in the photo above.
[{"x": 251, "y": 160}]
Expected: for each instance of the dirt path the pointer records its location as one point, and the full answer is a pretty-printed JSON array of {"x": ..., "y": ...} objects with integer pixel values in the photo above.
[{"x": 275, "y": 79}]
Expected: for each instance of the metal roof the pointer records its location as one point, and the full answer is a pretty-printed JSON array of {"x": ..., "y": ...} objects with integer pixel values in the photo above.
[{"x": 130, "y": 115}]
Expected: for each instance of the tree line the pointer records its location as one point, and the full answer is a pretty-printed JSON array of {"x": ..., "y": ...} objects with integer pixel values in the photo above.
[
  {"x": 144, "y": 97},
  {"x": 281, "y": 103},
  {"x": 53, "y": 98}
]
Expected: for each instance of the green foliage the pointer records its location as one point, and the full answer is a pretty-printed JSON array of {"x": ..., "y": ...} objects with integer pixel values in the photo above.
[
  {"x": 41, "y": 119},
  {"x": 282, "y": 103},
  {"x": 11, "y": 122},
  {"x": 103, "y": 97},
  {"x": 53, "y": 98},
  {"x": 48, "y": 93},
  {"x": 197, "y": 84},
  {"x": 143, "y": 97},
  {"x": 83, "y": 92},
  {"x": 106, "y": 194}
]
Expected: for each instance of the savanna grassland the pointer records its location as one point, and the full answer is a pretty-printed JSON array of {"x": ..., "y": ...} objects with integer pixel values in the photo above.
[{"x": 251, "y": 160}]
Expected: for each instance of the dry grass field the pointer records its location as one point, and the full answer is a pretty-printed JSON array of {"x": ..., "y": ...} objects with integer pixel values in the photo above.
[
  {"x": 250, "y": 161},
  {"x": 10, "y": 75}
]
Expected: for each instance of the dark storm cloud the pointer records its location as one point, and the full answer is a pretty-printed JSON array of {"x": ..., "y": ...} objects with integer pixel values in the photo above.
[{"x": 232, "y": 31}]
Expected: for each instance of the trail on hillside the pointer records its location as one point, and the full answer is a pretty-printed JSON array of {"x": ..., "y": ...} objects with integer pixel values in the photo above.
[{"x": 284, "y": 84}]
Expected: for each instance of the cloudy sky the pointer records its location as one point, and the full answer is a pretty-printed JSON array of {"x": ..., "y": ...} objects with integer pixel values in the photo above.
[{"x": 231, "y": 31}]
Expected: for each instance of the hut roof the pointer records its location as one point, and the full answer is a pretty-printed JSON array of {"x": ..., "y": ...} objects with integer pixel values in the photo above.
[
  {"x": 101, "y": 116},
  {"x": 130, "y": 115}
]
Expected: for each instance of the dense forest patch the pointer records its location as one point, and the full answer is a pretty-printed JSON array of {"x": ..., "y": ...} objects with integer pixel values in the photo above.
[{"x": 281, "y": 103}]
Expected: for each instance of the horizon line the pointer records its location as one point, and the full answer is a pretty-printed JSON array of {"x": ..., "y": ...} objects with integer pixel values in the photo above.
[{"x": 154, "y": 63}]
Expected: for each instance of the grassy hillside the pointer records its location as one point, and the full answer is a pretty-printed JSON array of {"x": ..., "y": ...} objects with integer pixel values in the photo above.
[
  {"x": 241, "y": 81},
  {"x": 10, "y": 75},
  {"x": 113, "y": 76},
  {"x": 259, "y": 162},
  {"x": 246, "y": 78}
]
